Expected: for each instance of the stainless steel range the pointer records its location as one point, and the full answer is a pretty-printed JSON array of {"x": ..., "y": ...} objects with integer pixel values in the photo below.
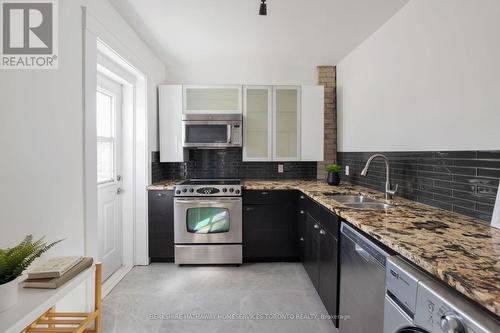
[{"x": 208, "y": 221}]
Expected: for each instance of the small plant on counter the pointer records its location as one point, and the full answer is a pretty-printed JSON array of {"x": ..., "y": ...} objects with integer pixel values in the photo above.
[
  {"x": 333, "y": 174},
  {"x": 333, "y": 168},
  {"x": 13, "y": 262}
]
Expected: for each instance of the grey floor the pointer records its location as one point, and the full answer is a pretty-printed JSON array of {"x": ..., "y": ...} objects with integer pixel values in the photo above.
[{"x": 149, "y": 297}]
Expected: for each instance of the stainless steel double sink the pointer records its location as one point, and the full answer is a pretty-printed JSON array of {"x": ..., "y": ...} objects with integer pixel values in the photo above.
[{"x": 358, "y": 201}]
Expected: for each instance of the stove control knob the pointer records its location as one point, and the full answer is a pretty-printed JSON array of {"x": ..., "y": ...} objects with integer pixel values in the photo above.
[
  {"x": 237, "y": 191},
  {"x": 231, "y": 190},
  {"x": 224, "y": 190},
  {"x": 177, "y": 192},
  {"x": 184, "y": 190},
  {"x": 451, "y": 323},
  {"x": 191, "y": 190}
]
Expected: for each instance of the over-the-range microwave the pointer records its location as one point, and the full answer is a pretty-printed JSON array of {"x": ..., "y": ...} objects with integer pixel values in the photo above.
[{"x": 211, "y": 130}]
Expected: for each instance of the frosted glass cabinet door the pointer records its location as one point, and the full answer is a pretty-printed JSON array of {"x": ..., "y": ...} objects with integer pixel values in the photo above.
[
  {"x": 212, "y": 99},
  {"x": 257, "y": 123},
  {"x": 286, "y": 123}
]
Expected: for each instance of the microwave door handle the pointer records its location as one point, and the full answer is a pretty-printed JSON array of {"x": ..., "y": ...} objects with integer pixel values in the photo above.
[{"x": 228, "y": 133}]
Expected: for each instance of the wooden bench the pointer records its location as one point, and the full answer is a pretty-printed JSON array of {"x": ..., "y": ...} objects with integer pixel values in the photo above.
[{"x": 71, "y": 322}]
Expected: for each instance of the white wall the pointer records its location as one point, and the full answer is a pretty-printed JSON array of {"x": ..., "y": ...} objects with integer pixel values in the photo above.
[
  {"x": 41, "y": 134},
  {"x": 429, "y": 79}
]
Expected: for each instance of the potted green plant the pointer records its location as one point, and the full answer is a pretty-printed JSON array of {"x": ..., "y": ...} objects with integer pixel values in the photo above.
[
  {"x": 333, "y": 174},
  {"x": 13, "y": 261}
]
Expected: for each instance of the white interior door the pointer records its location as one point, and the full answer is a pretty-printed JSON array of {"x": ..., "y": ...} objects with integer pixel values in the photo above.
[{"x": 109, "y": 102}]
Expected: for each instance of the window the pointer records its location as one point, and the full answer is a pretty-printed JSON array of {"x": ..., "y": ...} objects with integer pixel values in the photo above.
[
  {"x": 105, "y": 115},
  {"x": 207, "y": 220}
]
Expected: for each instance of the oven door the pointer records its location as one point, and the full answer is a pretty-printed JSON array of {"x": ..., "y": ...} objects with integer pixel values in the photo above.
[{"x": 207, "y": 220}]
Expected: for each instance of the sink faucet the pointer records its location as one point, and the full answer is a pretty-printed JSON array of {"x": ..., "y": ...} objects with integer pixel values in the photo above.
[{"x": 389, "y": 192}]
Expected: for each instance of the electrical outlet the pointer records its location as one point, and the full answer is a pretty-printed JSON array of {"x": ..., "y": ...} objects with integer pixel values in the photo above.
[
  {"x": 347, "y": 170},
  {"x": 280, "y": 168}
]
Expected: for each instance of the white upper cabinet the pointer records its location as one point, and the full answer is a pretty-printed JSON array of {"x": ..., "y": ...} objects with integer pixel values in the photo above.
[
  {"x": 286, "y": 121},
  {"x": 312, "y": 123},
  {"x": 283, "y": 123},
  {"x": 212, "y": 99},
  {"x": 280, "y": 123},
  {"x": 170, "y": 123},
  {"x": 257, "y": 123}
]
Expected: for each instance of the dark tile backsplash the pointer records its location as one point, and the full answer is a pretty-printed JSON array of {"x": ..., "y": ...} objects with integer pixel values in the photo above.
[
  {"x": 465, "y": 182},
  {"x": 227, "y": 163}
]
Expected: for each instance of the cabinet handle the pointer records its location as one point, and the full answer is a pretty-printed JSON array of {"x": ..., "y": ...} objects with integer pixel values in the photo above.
[
  {"x": 315, "y": 226},
  {"x": 301, "y": 239},
  {"x": 159, "y": 194},
  {"x": 302, "y": 212},
  {"x": 264, "y": 193},
  {"x": 248, "y": 209},
  {"x": 302, "y": 197},
  {"x": 322, "y": 232}
]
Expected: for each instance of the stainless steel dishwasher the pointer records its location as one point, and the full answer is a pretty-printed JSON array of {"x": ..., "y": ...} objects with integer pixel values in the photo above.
[{"x": 362, "y": 283}]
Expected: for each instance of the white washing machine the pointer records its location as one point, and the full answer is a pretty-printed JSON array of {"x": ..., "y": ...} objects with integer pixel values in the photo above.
[{"x": 416, "y": 303}]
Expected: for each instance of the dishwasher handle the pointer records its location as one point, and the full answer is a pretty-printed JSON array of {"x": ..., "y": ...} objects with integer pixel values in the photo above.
[
  {"x": 362, "y": 252},
  {"x": 363, "y": 246}
]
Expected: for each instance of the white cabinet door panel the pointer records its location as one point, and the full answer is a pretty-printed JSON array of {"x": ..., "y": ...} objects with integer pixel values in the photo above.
[
  {"x": 257, "y": 123},
  {"x": 312, "y": 123},
  {"x": 212, "y": 99},
  {"x": 170, "y": 121},
  {"x": 286, "y": 121}
]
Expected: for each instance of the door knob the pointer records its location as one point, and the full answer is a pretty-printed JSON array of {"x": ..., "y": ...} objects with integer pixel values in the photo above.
[{"x": 119, "y": 190}]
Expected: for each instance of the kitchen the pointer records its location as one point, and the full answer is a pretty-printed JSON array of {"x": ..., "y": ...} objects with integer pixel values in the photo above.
[{"x": 279, "y": 165}]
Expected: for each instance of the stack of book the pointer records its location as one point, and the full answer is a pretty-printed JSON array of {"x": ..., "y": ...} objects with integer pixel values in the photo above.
[{"x": 56, "y": 271}]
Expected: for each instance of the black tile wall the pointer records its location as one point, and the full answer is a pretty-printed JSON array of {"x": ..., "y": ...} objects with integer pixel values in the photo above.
[
  {"x": 465, "y": 182},
  {"x": 227, "y": 163}
]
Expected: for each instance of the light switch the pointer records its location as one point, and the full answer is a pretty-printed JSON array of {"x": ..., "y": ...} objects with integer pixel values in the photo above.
[{"x": 280, "y": 168}]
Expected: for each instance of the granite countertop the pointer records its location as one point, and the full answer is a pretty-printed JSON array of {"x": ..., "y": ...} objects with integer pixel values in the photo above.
[
  {"x": 166, "y": 185},
  {"x": 462, "y": 251}
]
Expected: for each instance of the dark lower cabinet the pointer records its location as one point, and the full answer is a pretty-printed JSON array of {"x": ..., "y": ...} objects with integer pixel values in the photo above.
[
  {"x": 269, "y": 226},
  {"x": 318, "y": 240},
  {"x": 161, "y": 225},
  {"x": 311, "y": 255},
  {"x": 328, "y": 272}
]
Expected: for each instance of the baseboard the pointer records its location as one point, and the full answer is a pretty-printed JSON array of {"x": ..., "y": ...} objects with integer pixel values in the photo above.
[
  {"x": 162, "y": 260},
  {"x": 270, "y": 259},
  {"x": 114, "y": 279}
]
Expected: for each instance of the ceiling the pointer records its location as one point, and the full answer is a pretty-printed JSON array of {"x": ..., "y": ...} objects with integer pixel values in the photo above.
[{"x": 204, "y": 31}]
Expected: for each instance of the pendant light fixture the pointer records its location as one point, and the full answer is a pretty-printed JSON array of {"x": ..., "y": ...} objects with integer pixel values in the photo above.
[{"x": 263, "y": 8}]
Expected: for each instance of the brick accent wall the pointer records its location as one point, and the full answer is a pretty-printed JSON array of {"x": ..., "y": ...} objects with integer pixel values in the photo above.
[{"x": 327, "y": 76}]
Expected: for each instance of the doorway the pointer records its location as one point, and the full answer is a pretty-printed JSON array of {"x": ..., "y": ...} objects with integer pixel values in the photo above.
[
  {"x": 116, "y": 199},
  {"x": 109, "y": 130}
]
